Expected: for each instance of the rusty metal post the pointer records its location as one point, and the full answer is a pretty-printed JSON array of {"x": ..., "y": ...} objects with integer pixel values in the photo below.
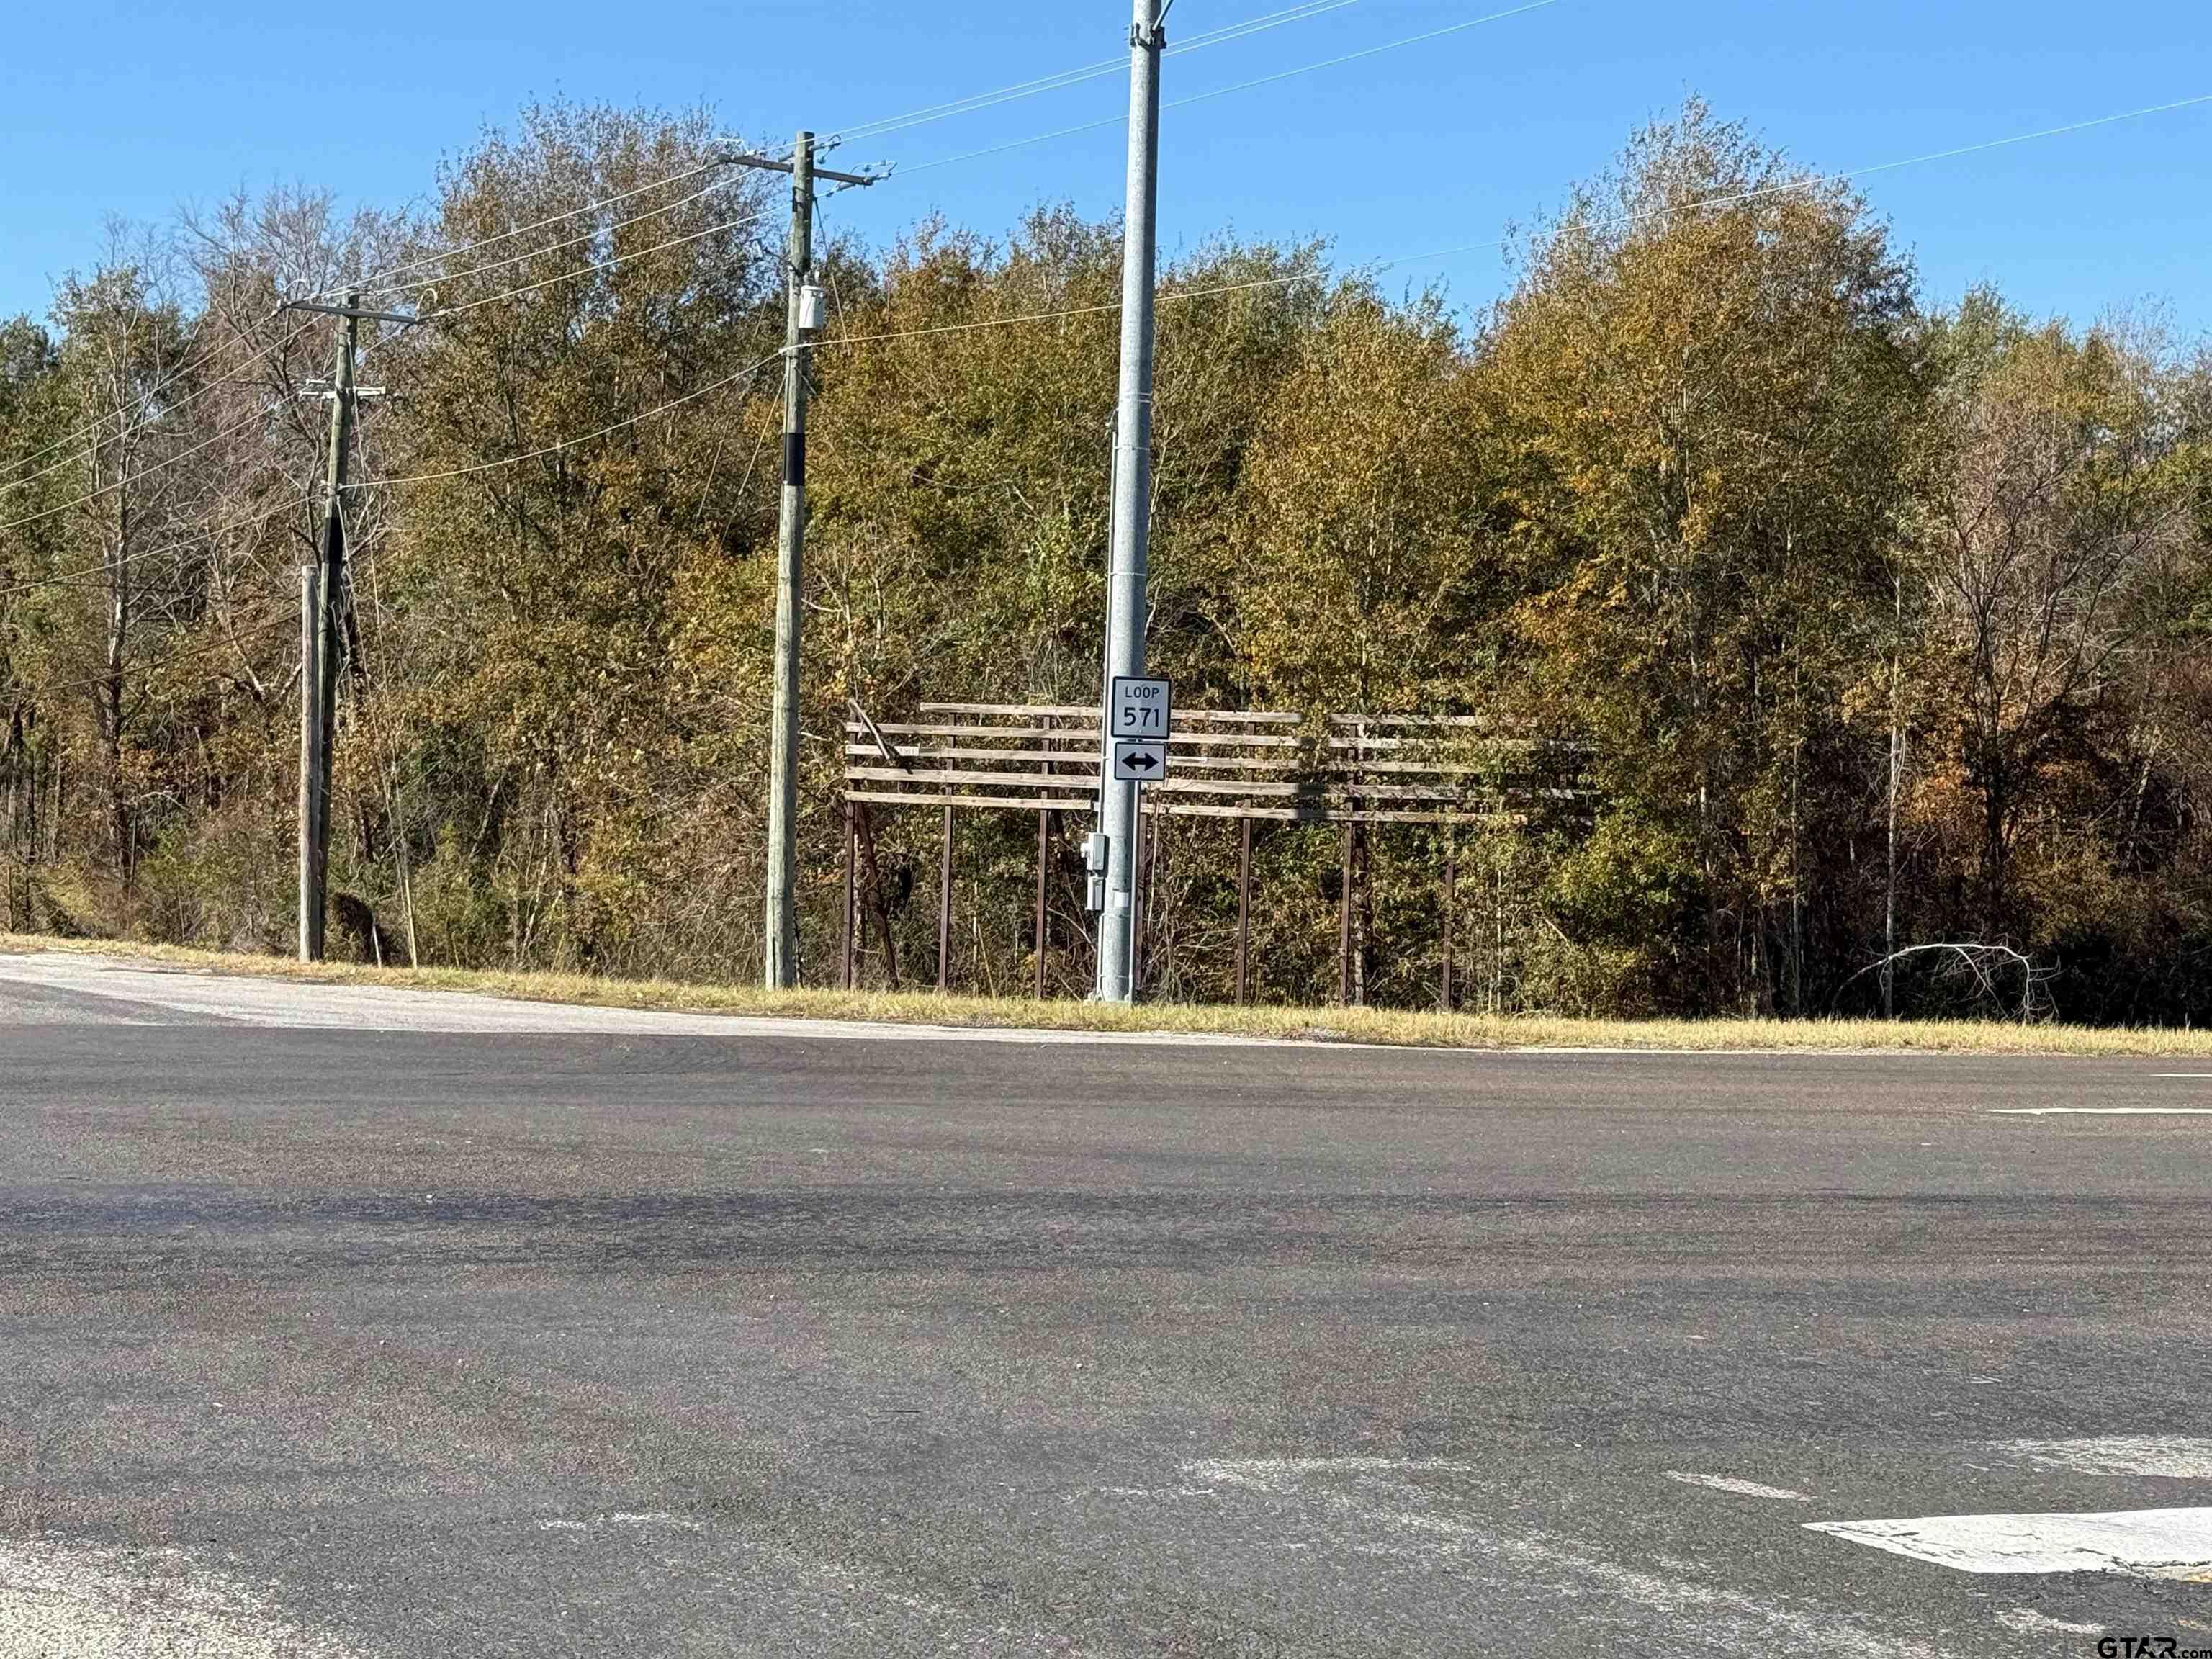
[
  {"x": 852, "y": 898},
  {"x": 1139, "y": 896},
  {"x": 1344, "y": 925},
  {"x": 1451, "y": 891},
  {"x": 1244, "y": 907},
  {"x": 944, "y": 906},
  {"x": 1044, "y": 868}
]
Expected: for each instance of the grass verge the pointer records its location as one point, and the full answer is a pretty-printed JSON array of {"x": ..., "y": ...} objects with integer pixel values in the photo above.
[{"x": 1397, "y": 1028}]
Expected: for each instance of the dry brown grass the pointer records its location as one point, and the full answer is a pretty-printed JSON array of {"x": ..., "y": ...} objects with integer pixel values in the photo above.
[{"x": 1376, "y": 1025}]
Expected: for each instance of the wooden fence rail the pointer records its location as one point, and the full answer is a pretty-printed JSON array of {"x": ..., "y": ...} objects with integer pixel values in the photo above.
[{"x": 1263, "y": 766}]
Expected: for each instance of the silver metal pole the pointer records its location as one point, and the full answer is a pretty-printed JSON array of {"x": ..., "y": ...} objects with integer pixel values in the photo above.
[{"x": 1133, "y": 443}]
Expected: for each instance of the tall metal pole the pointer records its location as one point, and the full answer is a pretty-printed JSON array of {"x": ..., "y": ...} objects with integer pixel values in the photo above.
[
  {"x": 1132, "y": 444},
  {"x": 781, "y": 936},
  {"x": 319, "y": 677}
]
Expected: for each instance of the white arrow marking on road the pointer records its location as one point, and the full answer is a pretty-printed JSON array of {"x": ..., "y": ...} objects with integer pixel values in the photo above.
[
  {"x": 2167, "y": 1456},
  {"x": 1547, "y": 1565},
  {"x": 1729, "y": 1483},
  {"x": 2139, "y": 1543},
  {"x": 2029, "y": 1621},
  {"x": 2099, "y": 1111}
]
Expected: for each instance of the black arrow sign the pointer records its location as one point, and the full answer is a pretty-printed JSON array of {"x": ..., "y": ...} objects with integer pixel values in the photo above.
[{"x": 1140, "y": 760}]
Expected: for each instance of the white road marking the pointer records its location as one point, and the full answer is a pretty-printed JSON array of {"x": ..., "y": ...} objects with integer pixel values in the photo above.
[
  {"x": 2029, "y": 1622},
  {"x": 61, "y": 1600},
  {"x": 2173, "y": 1456},
  {"x": 1547, "y": 1565},
  {"x": 2099, "y": 1111},
  {"x": 1269, "y": 1473},
  {"x": 622, "y": 1518},
  {"x": 1729, "y": 1483},
  {"x": 2139, "y": 1543}
]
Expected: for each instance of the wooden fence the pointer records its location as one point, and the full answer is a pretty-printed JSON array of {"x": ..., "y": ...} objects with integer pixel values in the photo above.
[{"x": 1254, "y": 766}]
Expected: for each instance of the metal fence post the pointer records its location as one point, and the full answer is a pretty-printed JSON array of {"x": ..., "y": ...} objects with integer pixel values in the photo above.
[
  {"x": 944, "y": 907},
  {"x": 1244, "y": 907}
]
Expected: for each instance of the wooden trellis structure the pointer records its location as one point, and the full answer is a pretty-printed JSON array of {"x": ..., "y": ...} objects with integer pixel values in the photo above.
[{"x": 1254, "y": 766}]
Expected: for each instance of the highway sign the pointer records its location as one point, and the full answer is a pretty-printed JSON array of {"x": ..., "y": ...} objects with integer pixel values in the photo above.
[
  {"x": 1137, "y": 761},
  {"x": 1138, "y": 708}
]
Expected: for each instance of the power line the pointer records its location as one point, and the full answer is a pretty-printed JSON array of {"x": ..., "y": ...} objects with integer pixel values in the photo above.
[
  {"x": 585, "y": 270},
  {"x": 171, "y": 378},
  {"x": 1065, "y": 78},
  {"x": 1229, "y": 32},
  {"x": 1223, "y": 92},
  {"x": 448, "y": 311},
  {"x": 373, "y": 280},
  {"x": 591, "y": 234},
  {"x": 185, "y": 368},
  {"x": 236, "y": 642},
  {"x": 368, "y": 280},
  {"x": 1811, "y": 181},
  {"x": 84, "y": 575},
  {"x": 258, "y": 415},
  {"x": 570, "y": 443},
  {"x": 93, "y": 572},
  {"x": 1814, "y": 182}
]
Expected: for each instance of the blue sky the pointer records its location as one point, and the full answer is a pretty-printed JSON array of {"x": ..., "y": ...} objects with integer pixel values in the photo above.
[{"x": 110, "y": 108}]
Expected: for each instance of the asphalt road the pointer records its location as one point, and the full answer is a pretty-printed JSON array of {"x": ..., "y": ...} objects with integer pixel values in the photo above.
[{"x": 350, "y": 1323}]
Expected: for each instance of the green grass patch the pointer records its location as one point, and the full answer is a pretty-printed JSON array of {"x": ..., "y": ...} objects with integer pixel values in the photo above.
[{"x": 1397, "y": 1028}]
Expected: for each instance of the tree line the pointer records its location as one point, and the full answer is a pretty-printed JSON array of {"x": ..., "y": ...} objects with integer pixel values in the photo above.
[{"x": 1883, "y": 622}]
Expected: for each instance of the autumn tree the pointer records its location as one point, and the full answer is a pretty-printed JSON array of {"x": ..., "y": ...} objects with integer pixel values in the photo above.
[{"x": 1705, "y": 387}]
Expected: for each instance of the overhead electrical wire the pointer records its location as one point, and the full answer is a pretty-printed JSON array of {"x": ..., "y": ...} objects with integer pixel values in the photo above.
[
  {"x": 917, "y": 117},
  {"x": 592, "y": 235},
  {"x": 692, "y": 396},
  {"x": 186, "y": 653},
  {"x": 1065, "y": 78},
  {"x": 366, "y": 281},
  {"x": 84, "y": 573},
  {"x": 1810, "y": 181},
  {"x": 258, "y": 416},
  {"x": 584, "y": 270},
  {"x": 448, "y": 311},
  {"x": 427, "y": 283},
  {"x": 169, "y": 380},
  {"x": 1122, "y": 119}
]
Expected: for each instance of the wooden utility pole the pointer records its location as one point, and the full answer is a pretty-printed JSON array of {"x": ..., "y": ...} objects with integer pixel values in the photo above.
[
  {"x": 803, "y": 316},
  {"x": 781, "y": 938},
  {"x": 311, "y": 764},
  {"x": 320, "y": 596},
  {"x": 318, "y": 676}
]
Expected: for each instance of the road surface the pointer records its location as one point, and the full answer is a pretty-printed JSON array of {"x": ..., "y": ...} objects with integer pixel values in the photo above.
[{"x": 346, "y": 1322}]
